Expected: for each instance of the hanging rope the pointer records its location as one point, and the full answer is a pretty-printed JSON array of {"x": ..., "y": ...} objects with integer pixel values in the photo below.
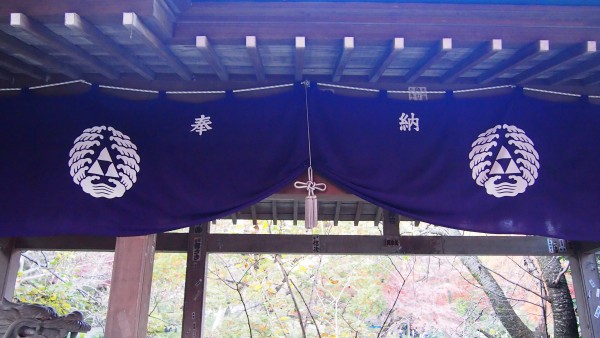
[{"x": 311, "y": 212}]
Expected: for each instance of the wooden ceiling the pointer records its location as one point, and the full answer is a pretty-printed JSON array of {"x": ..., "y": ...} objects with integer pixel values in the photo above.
[{"x": 182, "y": 45}]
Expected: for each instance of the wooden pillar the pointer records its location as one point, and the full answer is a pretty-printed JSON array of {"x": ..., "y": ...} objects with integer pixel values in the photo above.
[
  {"x": 586, "y": 282},
  {"x": 195, "y": 281},
  {"x": 130, "y": 287},
  {"x": 9, "y": 267}
]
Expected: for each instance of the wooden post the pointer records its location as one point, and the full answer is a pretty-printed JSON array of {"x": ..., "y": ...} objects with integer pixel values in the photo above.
[
  {"x": 391, "y": 229},
  {"x": 130, "y": 287},
  {"x": 195, "y": 281},
  {"x": 9, "y": 267},
  {"x": 586, "y": 282}
]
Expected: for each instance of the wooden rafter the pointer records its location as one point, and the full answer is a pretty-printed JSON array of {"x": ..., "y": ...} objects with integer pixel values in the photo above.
[
  {"x": 344, "y": 58},
  {"x": 210, "y": 55},
  {"x": 255, "y": 58},
  {"x": 299, "y": 56},
  {"x": 83, "y": 27},
  {"x": 359, "y": 210},
  {"x": 435, "y": 53},
  {"x": 378, "y": 216},
  {"x": 522, "y": 55},
  {"x": 274, "y": 211},
  {"x": 253, "y": 213},
  {"x": 591, "y": 80},
  {"x": 336, "y": 217},
  {"x": 395, "y": 48},
  {"x": 60, "y": 44},
  {"x": 574, "y": 71},
  {"x": 566, "y": 55},
  {"x": 133, "y": 22},
  {"x": 480, "y": 54},
  {"x": 16, "y": 65},
  {"x": 295, "y": 212},
  {"x": 35, "y": 55}
]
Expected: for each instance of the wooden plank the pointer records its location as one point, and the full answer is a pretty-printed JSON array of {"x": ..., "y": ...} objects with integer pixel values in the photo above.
[
  {"x": 66, "y": 243},
  {"x": 374, "y": 245},
  {"x": 16, "y": 65},
  {"x": 9, "y": 267},
  {"x": 566, "y": 55},
  {"x": 436, "y": 52},
  {"x": 60, "y": 44},
  {"x": 195, "y": 281},
  {"x": 522, "y": 55},
  {"x": 130, "y": 287},
  {"x": 391, "y": 224},
  {"x": 395, "y": 48},
  {"x": 300, "y": 49},
  {"x": 133, "y": 22},
  {"x": 255, "y": 58},
  {"x": 344, "y": 58},
  {"x": 568, "y": 74},
  {"x": 586, "y": 282},
  {"x": 209, "y": 53},
  {"x": 591, "y": 80},
  {"x": 274, "y": 211},
  {"x": 83, "y": 27},
  {"x": 378, "y": 216},
  {"x": 480, "y": 54}
]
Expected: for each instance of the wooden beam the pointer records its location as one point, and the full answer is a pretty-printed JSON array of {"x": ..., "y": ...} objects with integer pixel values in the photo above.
[
  {"x": 378, "y": 216},
  {"x": 566, "y": 55},
  {"x": 132, "y": 22},
  {"x": 162, "y": 19},
  {"x": 568, "y": 74},
  {"x": 130, "y": 287},
  {"x": 480, "y": 54},
  {"x": 391, "y": 224},
  {"x": 395, "y": 48},
  {"x": 522, "y": 55},
  {"x": 300, "y": 49},
  {"x": 374, "y": 245},
  {"x": 586, "y": 282},
  {"x": 210, "y": 55},
  {"x": 195, "y": 281},
  {"x": 344, "y": 58},
  {"x": 234, "y": 218},
  {"x": 32, "y": 54},
  {"x": 9, "y": 267},
  {"x": 83, "y": 27},
  {"x": 60, "y": 44},
  {"x": 15, "y": 65},
  {"x": 255, "y": 58},
  {"x": 435, "y": 53}
]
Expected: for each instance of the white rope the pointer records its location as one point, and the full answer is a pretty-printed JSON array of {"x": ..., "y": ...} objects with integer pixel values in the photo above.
[
  {"x": 60, "y": 84},
  {"x": 347, "y": 87},
  {"x": 263, "y": 88},
  {"x": 130, "y": 89},
  {"x": 416, "y": 92},
  {"x": 482, "y": 89},
  {"x": 551, "y": 92},
  {"x": 594, "y": 96},
  {"x": 9, "y": 89},
  {"x": 196, "y": 92}
]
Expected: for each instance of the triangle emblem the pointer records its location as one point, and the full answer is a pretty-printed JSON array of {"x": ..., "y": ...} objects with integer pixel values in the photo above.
[
  {"x": 512, "y": 168},
  {"x": 96, "y": 169},
  {"x": 104, "y": 155},
  {"x": 497, "y": 169},
  {"x": 112, "y": 172},
  {"x": 501, "y": 155}
]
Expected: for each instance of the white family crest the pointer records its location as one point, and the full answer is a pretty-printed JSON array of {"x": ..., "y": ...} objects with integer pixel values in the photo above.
[
  {"x": 504, "y": 161},
  {"x": 201, "y": 124},
  {"x": 407, "y": 123},
  {"x": 104, "y": 162}
]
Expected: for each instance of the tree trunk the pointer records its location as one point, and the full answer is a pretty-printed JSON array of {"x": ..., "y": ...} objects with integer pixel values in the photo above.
[
  {"x": 565, "y": 320},
  {"x": 504, "y": 310}
]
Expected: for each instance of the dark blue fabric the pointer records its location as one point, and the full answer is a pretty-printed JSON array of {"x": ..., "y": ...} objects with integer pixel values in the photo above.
[
  {"x": 443, "y": 173},
  {"x": 255, "y": 147},
  {"x": 426, "y": 174}
]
